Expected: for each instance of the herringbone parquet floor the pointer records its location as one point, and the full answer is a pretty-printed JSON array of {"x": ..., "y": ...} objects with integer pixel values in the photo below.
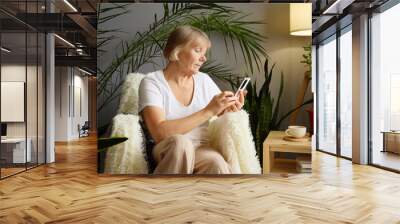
[{"x": 70, "y": 191}]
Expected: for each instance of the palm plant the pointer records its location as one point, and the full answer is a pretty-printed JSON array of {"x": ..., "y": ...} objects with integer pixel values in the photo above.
[
  {"x": 262, "y": 109},
  {"x": 307, "y": 60},
  {"x": 104, "y": 143},
  {"x": 105, "y": 36},
  {"x": 147, "y": 46}
]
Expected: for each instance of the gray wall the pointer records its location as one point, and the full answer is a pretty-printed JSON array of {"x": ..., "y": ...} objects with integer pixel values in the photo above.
[{"x": 285, "y": 50}]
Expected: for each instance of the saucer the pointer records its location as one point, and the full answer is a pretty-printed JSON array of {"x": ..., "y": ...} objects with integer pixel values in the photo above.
[{"x": 294, "y": 139}]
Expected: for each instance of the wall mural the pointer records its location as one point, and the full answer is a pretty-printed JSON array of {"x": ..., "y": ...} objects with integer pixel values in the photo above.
[{"x": 168, "y": 99}]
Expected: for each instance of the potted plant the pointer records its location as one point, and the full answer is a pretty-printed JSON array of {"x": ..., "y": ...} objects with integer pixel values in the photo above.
[
  {"x": 263, "y": 108},
  {"x": 306, "y": 81}
]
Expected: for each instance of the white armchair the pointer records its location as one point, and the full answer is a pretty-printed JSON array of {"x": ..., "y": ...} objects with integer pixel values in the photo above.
[{"x": 230, "y": 134}]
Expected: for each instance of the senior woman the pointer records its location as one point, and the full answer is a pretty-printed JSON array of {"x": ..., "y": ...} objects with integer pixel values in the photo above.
[{"x": 176, "y": 104}]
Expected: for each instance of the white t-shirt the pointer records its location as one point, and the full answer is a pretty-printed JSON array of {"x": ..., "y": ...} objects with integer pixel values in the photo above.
[{"x": 155, "y": 91}]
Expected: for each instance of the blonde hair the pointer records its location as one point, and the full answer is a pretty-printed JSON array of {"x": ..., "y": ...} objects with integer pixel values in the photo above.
[{"x": 179, "y": 38}]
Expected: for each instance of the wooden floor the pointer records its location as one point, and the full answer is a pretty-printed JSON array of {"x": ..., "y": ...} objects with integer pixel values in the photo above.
[
  {"x": 10, "y": 171},
  {"x": 70, "y": 191}
]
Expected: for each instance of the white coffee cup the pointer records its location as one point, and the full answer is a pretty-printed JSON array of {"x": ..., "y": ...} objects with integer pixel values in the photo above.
[{"x": 296, "y": 131}]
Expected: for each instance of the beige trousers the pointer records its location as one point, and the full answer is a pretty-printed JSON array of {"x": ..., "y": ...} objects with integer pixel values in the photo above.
[{"x": 177, "y": 155}]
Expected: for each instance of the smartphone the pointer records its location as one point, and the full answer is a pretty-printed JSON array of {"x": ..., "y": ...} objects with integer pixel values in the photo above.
[{"x": 243, "y": 85}]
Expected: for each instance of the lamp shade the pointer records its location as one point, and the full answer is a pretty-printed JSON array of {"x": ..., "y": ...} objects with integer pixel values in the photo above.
[{"x": 300, "y": 19}]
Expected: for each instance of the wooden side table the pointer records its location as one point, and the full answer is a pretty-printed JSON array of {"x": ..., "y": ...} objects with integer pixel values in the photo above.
[
  {"x": 275, "y": 143},
  {"x": 391, "y": 141}
]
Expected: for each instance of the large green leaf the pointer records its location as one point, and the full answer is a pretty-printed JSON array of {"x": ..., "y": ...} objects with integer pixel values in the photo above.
[
  {"x": 105, "y": 13},
  {"x": 264, "y": 115},
  {"x": 104, "y": 143}
]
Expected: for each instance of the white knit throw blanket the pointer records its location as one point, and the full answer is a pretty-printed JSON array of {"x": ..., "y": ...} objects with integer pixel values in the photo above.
[
  {"x": 230, "y": 134},
  {"x": 127, "y": 157}
]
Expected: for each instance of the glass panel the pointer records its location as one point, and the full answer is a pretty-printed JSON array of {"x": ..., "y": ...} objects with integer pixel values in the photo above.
[
  {"x": 327, "y": 96},
  {"x": 385, "y": 88},
  {"x": 31, "y": 98},
  {"x": 41, "y": 99},
  {"x": 32, "y": 73},
  {"x": 13, "y": 86},
  {"x": 23, "y": 82},
  {"x": 346, "y": 94}
]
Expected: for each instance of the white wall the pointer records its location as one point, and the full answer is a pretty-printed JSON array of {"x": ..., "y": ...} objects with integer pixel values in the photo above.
[
  {"x": 17, "y": 72},
  {"x": 284, "y": 50},
  {"x": 68, "y": 83},
  {"x": 61, "y": 103}
]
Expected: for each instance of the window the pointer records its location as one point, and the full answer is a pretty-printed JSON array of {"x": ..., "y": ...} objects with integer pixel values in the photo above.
[
  {"x": 346, "y": 92},
  {"x": 385, "y": 87},
  {"x": 327, "y": 95},
  {"x": 335, "y": 74}
]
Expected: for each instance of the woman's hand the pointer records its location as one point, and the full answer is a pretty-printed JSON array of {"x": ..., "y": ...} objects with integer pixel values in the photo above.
[
  {"x": 238, "y": 103},
  {"x": 221, "y": 102}
]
